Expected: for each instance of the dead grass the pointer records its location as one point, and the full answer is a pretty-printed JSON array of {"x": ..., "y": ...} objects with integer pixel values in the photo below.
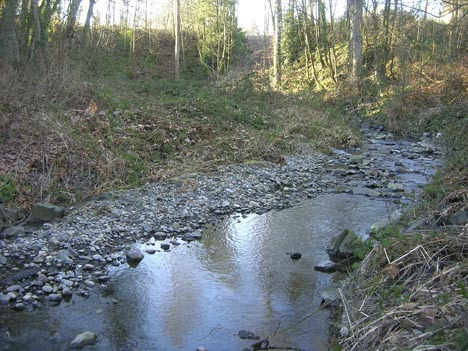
[{"x": 411, "y": 295}]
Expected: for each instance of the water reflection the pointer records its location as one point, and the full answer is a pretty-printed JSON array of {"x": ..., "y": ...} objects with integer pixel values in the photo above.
[{"x": 238, "y": 277}]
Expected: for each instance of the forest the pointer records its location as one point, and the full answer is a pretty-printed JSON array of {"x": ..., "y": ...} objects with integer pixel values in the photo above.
[
  {"x": 101, "y": 95},
  {"x": 133, "y": 89}
]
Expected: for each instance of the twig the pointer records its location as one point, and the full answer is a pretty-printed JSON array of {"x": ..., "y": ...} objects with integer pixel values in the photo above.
[
  {"x": 346, "y": 309},
  {"x": 386, "y": 255}
]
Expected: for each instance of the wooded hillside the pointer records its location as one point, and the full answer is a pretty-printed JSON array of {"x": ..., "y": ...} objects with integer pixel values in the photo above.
[{"x": 102, "y": 94}]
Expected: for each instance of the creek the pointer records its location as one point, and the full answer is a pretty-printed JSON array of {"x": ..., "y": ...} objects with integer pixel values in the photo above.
[{"x": 238, "y": 277}]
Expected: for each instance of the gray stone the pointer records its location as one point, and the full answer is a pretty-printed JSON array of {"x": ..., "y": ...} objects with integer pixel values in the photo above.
[
  {"x": 6, "y": 298},
  {"x": 196, "y": 235},
  {"x": 65, "y": 256},
  {"x": 396, "y": 186},
  {"x": 165, "y": 246},
  {"x": 134, "y": 255},
  {"x": 103, "y": 278},
  {"x": 160, "y": 235},
  {"x": 19, "y": 306},
  {"x": 89, "y": 283},
  {"x": 45, "y": 212},
  {"x": 150, "y": 251},
  {"x": 373, "y": 193},
  {"x": 358, "y": 158},
  {"x": 326, "y": 266},
  {"x": 83, "y": 339},
  {"x": 47, "y": 289},
  {"x": 330, "y": 297},
  {"x": 343, "y": 189},
  {"x": 67, "y": 293},
  {"x": 99, "y": 258},
  {"x": 13, "y": 288},
  {"x": 147, "y": 228},
  {"x": 459, "y": 218},
  {"x": 295, "y": 255},
  {"x": 54, "y": 297},
  {"x": 3, "y": 260},
  {"x": 88, "y": 267},
  {"x": 244, "y": 334},
  {"x": 342, "y": 245},
  {"x": 13, "y": 232}
]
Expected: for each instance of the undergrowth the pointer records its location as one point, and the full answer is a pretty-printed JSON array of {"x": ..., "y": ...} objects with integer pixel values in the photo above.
[{"x": 122, "y": 131}]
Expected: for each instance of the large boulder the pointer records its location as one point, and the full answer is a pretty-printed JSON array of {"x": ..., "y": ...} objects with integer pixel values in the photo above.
[
  {"x": 342, "y": 246},
  {"x": 44, "y": 212}
]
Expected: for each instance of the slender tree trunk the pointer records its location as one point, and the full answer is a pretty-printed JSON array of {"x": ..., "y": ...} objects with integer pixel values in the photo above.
[
  {"x": 25, "y": 29},
  {"x": 177, "y": 39},
  {"x": 71, "y": 20},
  {"x": 9, "y": 45},
  {"x": 355, "y": 11},
  {"x": 333, "y": 49},
  {"x": 87, "y": 26},
  {"x": 277, "y": 47},
  {"x": 36, "y": 31}
]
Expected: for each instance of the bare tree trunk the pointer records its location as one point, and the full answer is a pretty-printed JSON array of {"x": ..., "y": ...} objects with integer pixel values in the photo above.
[
  {"x": 87, "y": 26},
  {"x": 24, "y": 30},
  {"x": 277, "y": 48},
  {"x": 71, "y": 20},
  {"x": 9, "y": 45},
  {"x": 36, "y": 31},
  {"x": 177, "y": 39},
  {"x": 355, "y": 12}
]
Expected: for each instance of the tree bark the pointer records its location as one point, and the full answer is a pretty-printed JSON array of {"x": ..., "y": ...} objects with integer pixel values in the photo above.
[
  {"x": 355, "y": 13},
  {"x": 36, "y": 31},
  {"x": 177, "y": 39},
  {"x": 71, "y": 20},
  {"x": 277, "y": 47},
  {"x": 9, "y": 45},
  {"x": 87, "y": 26}
]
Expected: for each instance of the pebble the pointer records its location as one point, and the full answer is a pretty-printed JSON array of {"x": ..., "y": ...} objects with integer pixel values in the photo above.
[
  {"x": 67, "y": 293},
  {"x": 83, "y": 339},
  {"x": 47, "y": 289},
  {"x": 13, "y": 288},
  {"x": 54, "y": 297},
  {"x": 134, "y": 255}
]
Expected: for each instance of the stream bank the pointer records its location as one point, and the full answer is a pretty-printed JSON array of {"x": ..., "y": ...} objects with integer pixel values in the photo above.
[{"x": 80, "y": 259}]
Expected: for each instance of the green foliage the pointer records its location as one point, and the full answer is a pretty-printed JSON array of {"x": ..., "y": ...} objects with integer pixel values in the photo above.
[
  {"x": 291, "y": 42},
  {"x": 7, "y": 188},
  {"x": 217, "y": 32},
  {"x": 387, "y": 235},
  {"x": 361, "y": 248}
]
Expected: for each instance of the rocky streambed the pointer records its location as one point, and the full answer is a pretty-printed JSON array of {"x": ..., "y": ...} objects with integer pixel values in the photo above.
[{"x": 64, "y": 262}]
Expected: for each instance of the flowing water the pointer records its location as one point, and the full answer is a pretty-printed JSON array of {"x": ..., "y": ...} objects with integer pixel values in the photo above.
[{"x": 238, "y": 277}]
